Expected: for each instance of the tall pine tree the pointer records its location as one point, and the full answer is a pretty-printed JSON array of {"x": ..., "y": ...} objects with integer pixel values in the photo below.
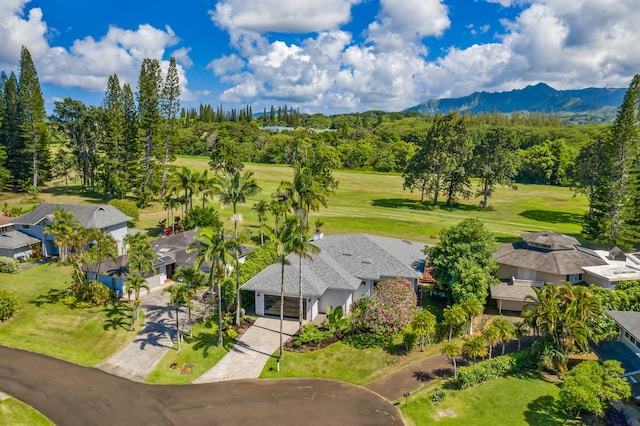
[
  {"x": 111, "y": 150},
  {"x": 170, "y": 105},
  {"x": 32, "y": 119}
]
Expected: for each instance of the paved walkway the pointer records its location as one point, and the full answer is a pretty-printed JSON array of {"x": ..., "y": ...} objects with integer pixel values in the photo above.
[
  {"x": 250, "y": 354},
  {"x": 153, "y": 341}
]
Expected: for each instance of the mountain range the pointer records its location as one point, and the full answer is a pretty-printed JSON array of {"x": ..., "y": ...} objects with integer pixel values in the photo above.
[{"x": 582, "y": 105}]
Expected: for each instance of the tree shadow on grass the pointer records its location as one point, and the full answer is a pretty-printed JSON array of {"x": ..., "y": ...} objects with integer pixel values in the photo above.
[
  {"x": 401, "y": 203},
  {"x": 118, "y": 316},
  {"x": 205, "y": 341},
  {"x": 546, "y": 410},
  {"x": 51, "y": 297},
  {"x": 76, "y": 190},
  {"x": 551, "y": 216}
]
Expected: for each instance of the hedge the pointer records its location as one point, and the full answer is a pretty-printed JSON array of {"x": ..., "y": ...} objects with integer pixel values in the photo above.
[
  {"x": 9, "y": 265},
  {"x": 8, "y": 305},
  {"x": 495, "y": 367}
]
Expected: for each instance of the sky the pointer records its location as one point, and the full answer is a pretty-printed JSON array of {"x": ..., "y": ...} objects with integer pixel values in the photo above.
[{"x": 324, "y": 56}]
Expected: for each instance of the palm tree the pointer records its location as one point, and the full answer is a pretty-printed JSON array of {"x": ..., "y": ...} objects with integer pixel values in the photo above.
[
  {"x": 454, "y": 316},
  {"x": 520, "y": 331},
  {"x": 284, "y": 242},
  {"x": 184, "y": 180},
  {"x": 235, "y": 188},
  {"x": 452, "y": 350},
  {"x": 134, "y": 283},
  {"x": 208, "y": 186},
  {"x": 303, "y": 249},
  {"x": 192, "y": 278},
  {"x": 212, "y": 248},
  {"x": 492, "y": 335},
  {"x": 472, "y": 307},
  {"x": 261, "y": 208},
  {"x": 179, "y": 294},
  {"x": 506, "y": 330},
  {"x": 423, "y": 323},
  {"x": 309, "y": 190},
  {"x": 62, "y": 228},
  {"x": 474, "y": 346}
]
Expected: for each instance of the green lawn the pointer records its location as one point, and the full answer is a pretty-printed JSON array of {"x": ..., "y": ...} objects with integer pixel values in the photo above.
[
  {"x": 524, "y": 399},
  {"x": 376, "y": 203},
  {"x": 341, "y": 361},
  {"x": 44, "y": 324},
  {"x": 16, "y": 413},
  {"x": 201, "y": 351}
]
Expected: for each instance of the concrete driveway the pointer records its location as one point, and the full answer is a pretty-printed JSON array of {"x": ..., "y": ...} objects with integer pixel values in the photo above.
[
  {"x": 250, "y": 354},
  {"x": 69, "y": 395},
  {"x": 153, "y": 341}
]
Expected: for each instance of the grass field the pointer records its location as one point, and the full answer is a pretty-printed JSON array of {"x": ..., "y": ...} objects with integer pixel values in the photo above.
[
  {"x": 44, "y": 324},
  {"x": 376, "y": 203},
  {"x": 341, "y": 361},
  {"x": 15, "y": 413},
  {"x": 524, "y": 399},
  {"x": 201, "y": 351}
]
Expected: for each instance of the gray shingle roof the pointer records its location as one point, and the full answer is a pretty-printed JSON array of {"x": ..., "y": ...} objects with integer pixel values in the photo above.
[
  {"x": 507, "y": 291},
  {"x": 552, "y": 240},
  {"x": 333, "y": 268},
  {"x": 88, "y": 215},
  {"x": 558, "y": 262},
  {"x": 630, "y": 321},
  {"x": 15, "y": 239}
]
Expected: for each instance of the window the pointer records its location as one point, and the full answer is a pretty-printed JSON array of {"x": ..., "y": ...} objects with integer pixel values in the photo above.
[{"x": 574, "y": 278}]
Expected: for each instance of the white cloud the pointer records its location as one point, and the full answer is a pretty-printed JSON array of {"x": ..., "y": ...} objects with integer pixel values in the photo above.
[
  {"x": 17, "y": 30},
  {"x": 182, "y": 56},
  {"x": 227, "y": 64},
  {"x": 260, "y": 16}
]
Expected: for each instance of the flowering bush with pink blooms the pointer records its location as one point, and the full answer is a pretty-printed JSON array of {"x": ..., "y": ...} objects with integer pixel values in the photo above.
[{"x": 389, "y": 310}]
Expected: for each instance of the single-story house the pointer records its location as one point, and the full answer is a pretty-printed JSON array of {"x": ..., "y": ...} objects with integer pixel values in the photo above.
[
  {"x": 619, "y": 267},
  {"x": 540, "y": 258},
  {"x": 347, "y": 268},
  {"x": 104, "y": 217},
  {"x": 17, "y": 245},
  {"x": 629, "y": 355}
]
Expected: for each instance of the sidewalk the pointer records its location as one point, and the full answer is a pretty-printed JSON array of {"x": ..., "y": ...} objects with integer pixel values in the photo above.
[
  {"x": 250, "y": 354},
  {"x": 155, "y": 339}
]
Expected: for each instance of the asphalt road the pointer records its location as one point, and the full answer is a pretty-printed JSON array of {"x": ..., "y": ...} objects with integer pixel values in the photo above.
[{"x": 69, "y": 394}]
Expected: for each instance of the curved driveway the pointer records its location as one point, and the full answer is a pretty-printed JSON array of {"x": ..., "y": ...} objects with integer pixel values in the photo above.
[{"x": 69, "y": 394}]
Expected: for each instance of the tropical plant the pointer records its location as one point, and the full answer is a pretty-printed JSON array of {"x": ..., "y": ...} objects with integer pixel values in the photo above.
[
  {"x": 62, "y": 228},
  {"x": 520, "y": 330},
  {"x": 472, "y": 307},
  {"x": 424, "y": 324},
  {"x": 474, "y": 347},
  {"x": 235, "y": 188},
  {"x": 452, "y": 350},
  {"x": 179, "y": 295},
  {"x": 492, "y": 335},
  {"x": 454, "y": 316},
  {"x": 506, "y": 330},
  {"x": 261, "y": 208},
  {"x": 335, "y": 318},
  {"x": 212, "y": 249},
  {"x": 304, "y": 250},
  {"x": 133, "y": 284}
]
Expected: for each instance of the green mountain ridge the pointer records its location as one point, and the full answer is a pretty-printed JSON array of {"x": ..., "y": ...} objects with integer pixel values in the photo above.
[{"x": 581, "y": 105}]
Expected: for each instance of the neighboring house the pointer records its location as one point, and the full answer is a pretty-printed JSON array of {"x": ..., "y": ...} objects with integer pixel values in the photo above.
[
  {"x": 114, "y": 273},
  {"x": 91, "y": 216},
  {"x": 347, "y": 268},
  {"x": 619, "y": 267},
  {"x": 172, "y": 254},
  {"x": 17, "y": 245},
  {"x": 629, "y": 354},
  {"x": 541, "y": 257}
]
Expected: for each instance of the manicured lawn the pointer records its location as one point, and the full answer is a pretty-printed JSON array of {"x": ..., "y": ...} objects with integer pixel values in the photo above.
[
  {"x": 201, "y": 351},
  {"x": 16, "y": 413},
  {"x": 44, "y": 324},
  {"x": 524, "y": 399},
  {"x": 344, "y": 362}
]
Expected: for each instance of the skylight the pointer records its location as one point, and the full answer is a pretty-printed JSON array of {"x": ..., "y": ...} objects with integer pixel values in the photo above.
[
  {"x": 367, "y": 260},
  {"x": 347, "y": 252}
]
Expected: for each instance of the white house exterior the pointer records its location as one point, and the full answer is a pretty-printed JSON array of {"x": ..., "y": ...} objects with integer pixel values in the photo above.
[
  {"x": 346, "y": 269},
  {"x": 103, "y": 217}
]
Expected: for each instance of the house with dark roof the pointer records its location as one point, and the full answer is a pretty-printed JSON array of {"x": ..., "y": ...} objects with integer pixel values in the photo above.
[
  {"x": 627, "y": 348},
  {"x": 541, "y": 257},
  {"x": 17, "y": 245},
  {"x": 347, "y": 268},
  {"x": 106, "y": 218}
]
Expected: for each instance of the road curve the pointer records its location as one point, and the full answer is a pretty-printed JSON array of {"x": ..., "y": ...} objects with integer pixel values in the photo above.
[{"x": 69, "y": 394}]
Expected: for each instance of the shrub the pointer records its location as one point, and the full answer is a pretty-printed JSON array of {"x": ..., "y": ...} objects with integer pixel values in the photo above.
[
  {"x": 8, "y": 305},
  {"x": 311, "y": 334},
  {"x": 495, "y": 367},
  {"x": 389, "y": 310},
  {"x": 198, "y": 217},
  {"x": 127, "y": 207},
  {"x": 370, "y": 340},
  {"x": 409, "y": 339},
  {"x": 9, "y": 265},
  {"x": 231, "y": 333},
  {"x": 438, "y": 395}
]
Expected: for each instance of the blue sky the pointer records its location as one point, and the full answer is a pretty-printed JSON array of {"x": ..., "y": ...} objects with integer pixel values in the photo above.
[{"x": 325, "y": 56}]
